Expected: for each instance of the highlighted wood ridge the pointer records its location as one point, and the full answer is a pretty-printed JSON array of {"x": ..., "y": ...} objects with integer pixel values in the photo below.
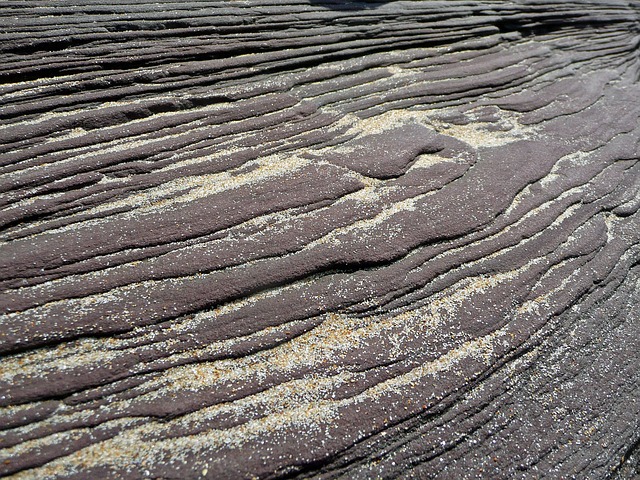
[{"x": 320, "y": 239}]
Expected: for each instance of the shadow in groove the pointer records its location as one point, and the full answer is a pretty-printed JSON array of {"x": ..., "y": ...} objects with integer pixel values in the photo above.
[{"x": 349, "y": 5}]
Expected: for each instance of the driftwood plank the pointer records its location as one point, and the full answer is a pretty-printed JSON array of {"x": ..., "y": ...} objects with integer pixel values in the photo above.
[{"x": 320, "y": 239}]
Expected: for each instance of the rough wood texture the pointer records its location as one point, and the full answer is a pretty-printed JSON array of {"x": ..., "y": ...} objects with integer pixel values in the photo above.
[{"x": 358, "y": 240}]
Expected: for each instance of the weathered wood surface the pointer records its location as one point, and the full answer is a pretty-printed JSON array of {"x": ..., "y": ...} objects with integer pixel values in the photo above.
[{"x": 290, "y": 239}]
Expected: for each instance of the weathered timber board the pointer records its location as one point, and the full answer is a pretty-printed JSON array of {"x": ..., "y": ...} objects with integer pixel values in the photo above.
[{"x": 254, "y": 239}]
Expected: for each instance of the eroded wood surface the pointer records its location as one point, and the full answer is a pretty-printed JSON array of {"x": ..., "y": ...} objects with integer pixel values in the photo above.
[{"x": 359, "y": 240}]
